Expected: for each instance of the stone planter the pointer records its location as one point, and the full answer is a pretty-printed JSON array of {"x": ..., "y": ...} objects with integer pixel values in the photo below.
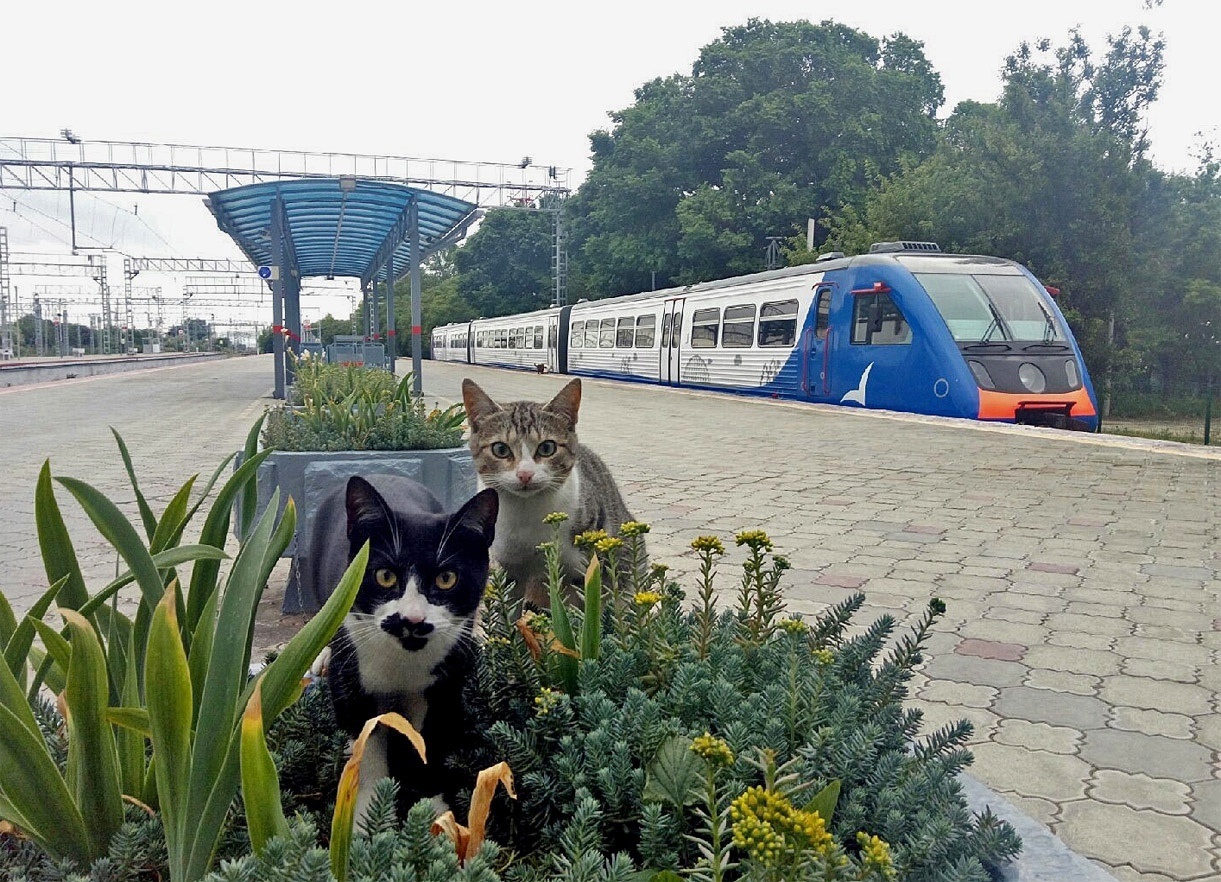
[{"x": 310, "y": 476}]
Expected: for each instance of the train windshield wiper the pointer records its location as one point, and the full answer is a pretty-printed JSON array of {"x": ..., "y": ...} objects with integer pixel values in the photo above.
[{"x": 997, "y": 324}]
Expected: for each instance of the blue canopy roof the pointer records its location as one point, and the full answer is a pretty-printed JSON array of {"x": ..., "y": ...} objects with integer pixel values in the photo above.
[{"x": 340, "y": 226}]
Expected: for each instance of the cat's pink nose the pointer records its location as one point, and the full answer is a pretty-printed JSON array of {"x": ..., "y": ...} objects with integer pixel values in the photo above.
[{"x": 524, "y": 476}]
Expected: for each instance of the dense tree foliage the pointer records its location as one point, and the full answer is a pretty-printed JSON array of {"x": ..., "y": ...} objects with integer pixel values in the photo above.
[{"x": 774, "y": 124}]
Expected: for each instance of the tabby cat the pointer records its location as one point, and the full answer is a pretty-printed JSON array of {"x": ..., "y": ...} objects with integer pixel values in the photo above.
[
  {"x": 409, "y": 642},
  {"x": 528, "y": 453}
]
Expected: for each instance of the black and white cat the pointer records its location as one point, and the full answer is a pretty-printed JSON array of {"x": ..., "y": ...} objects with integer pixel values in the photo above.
[{"x": 409, "y": 642}]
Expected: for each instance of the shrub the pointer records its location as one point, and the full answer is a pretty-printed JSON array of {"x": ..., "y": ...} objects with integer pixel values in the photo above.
[{"x": 348, "y": 407}]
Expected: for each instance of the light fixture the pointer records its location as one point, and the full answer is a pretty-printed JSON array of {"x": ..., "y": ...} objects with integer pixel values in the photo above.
[{"x": 347, "y": 183}]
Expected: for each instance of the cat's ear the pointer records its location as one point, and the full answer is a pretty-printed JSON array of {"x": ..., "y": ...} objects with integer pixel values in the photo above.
[
  {"x": 567, "y": 402},
  {"x": 477, "y": 403},
  {"x": 364, "y": 503},
  {"x": 479, "y": 514}
]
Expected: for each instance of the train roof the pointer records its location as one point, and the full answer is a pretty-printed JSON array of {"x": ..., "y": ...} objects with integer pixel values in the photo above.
[{"x": 913, "y": 261}]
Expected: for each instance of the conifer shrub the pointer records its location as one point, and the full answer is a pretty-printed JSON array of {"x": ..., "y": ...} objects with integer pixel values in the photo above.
[{"x": 653, "y": 737}]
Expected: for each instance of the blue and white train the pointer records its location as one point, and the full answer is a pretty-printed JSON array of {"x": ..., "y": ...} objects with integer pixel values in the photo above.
[{"x": 904, "y": 327}]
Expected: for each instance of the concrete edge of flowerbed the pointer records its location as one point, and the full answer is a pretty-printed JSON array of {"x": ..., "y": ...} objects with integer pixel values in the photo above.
[{"x": 1044, "y": 856}]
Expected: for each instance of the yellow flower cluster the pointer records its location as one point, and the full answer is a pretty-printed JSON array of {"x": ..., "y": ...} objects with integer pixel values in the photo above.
[
  {"x": 756, "y": 539},
  {"x": 793, "y": 626},
  {"x": 767, "y": 827},
  {"x": 875, "y": 855},
  {"x": 646, "y": 598},
  {"x": 710, "y": 544},
  {"x": 589, "y": 537},
  {"x": 609, "y": 544},
  {"x": 547, "y": 700},
  {"x": 823, "y": 656},
  {"x": 497, "y": 640},
  {"x": 556, "y": 517},
  {"x": 714, "y": 750},
  {"x": 633, "y": 528}
]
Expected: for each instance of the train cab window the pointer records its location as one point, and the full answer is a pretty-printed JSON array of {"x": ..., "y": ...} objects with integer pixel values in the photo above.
[
  {"x": 822, "y": 319},
  {"x": 877, "y": 321},
  {"x": 577, "y": 335},
  {"x": 704, "y": 325},
  {"x": 665, "y": 331},
  {"x": 538, "y": 336},
  {"x": 646, "y": 325},
  {"x": 625, "y": 333},
  {"x": 553, "y": 334},
  {"x": 738, "y": 326},
  {"x": 606, "y": 334},
  {"x": 778, "y": 323}
]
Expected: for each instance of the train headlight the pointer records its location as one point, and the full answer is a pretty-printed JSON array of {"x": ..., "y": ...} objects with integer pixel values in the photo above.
[
  {"x": 1074, "y": 379},
  {"x": 1032, "y": 378},
  {"x": 981, "y": 375}
]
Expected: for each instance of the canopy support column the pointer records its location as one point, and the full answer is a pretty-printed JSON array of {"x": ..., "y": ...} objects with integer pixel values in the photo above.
[
  {"x": 277, "y": 305},
  {"x": 391, "y": 335},
  {"x": 417, "y": 347}
]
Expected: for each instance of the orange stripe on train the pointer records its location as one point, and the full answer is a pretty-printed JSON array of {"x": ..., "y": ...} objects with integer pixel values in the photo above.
[{"x": 1003, "y": 405}]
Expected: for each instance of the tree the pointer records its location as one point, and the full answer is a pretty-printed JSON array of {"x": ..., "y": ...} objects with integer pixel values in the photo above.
[
  {"x": 505, "y": 267},
  {"x": 776, "y": 123}
]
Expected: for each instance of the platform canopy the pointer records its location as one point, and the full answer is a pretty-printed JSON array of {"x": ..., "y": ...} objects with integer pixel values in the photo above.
[
  {"x": 339, "y": 226},
  {"x": 342, "y": 226}
]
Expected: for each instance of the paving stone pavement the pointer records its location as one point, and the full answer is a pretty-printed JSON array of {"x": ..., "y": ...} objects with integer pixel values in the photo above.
[{"x": 1081, "y": 573}]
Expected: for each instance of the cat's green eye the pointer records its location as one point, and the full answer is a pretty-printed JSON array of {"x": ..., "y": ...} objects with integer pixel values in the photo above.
[
  {"x": 386, "y": 578},
  {"x": 547, "y": 448},
  {"x": 446, "y": 579},
  {"x": 501, "y": 450}
]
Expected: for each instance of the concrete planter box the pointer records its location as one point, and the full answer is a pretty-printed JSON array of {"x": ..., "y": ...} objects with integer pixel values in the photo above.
[{"x": 310, "y": 476}]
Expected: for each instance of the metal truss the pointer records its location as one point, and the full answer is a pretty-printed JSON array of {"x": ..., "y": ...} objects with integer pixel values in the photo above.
[
  {"x": 131, "y": 167},
  {"x": 191, "y": 265}
]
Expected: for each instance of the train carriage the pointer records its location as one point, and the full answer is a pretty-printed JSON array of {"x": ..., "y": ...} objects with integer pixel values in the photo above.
[{"x": 903, "y": 328}]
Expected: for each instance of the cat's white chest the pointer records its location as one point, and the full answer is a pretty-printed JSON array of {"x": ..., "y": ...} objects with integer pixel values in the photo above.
[{"x": 520, "y": 528}]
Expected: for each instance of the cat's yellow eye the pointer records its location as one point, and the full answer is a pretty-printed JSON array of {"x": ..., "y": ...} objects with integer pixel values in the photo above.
[
  {"x": 500, "y": 450},
  {"x": 547, "y": 448},
  {"x": 386, "y": 578},
  {"x": 446, "y": 579}
]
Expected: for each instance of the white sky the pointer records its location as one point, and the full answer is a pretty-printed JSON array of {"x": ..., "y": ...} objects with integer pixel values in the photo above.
[{"x": 476, "y": 81}]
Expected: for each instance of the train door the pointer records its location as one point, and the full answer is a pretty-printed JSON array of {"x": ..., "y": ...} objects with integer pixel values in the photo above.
[
  {"x": 553, "y": 343},
  {"x": 671, "y": 336},
  {"x": 815, "y": 346}
]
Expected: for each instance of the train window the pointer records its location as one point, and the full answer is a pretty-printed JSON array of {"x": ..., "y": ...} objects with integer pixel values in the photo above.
[
  {"x": 625, "y": 334},
  {"x": 553, "y": 333},
  {"x": 538, "y": 336},
  {"x": 877, "y": 321},
  {"x": 738, "y": 327},
  {"x": 822, "y": 320},
  {"x": 646, "y": 325},
  {"x": 606, "y": 334},
  {"x": 502, "y": 338},
  {"x": 527, "y": 340},
  {"x": 704, "y": 324},
  {"x": 591, "y": 334},
  {"x": 665, "y": 331},
  {"x": 577, "y": 336},
  {"x": 778, "y": 323}
]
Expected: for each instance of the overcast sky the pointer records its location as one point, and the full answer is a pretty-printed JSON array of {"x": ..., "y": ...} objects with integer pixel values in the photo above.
[{"x": 471, "y": 80}]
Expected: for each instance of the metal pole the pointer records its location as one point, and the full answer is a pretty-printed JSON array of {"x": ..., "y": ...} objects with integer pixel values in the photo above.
[
  {"x": 72, "y": 204},
  {"x": 277, "y": 302},
  {"x": 391, "y": 337},
  {"x": 417, "y": 346}
]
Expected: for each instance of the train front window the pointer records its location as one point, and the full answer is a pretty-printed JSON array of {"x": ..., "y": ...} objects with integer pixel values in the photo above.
[{"x": 986, "y": 308}]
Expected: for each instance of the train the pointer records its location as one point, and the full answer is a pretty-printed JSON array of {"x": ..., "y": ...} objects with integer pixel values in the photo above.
[{"x": 904, "y": 327}]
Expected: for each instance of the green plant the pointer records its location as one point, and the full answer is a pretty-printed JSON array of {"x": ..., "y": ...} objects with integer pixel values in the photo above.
[
  {"x": 152, "y": 702},
  {"x": 348, "y": 407}
]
